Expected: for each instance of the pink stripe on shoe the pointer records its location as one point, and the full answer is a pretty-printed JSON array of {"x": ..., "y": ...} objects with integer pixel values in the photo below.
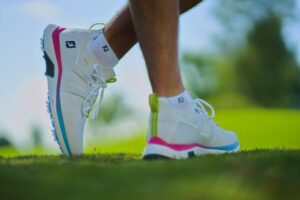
[
  {"x": 183, "y": 147},
  {"x": 56, "y": 43},
  {"x": 177, "y": 147}
]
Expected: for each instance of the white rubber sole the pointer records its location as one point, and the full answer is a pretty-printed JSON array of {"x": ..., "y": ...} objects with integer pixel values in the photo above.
[{"x": 153, "y": 151}]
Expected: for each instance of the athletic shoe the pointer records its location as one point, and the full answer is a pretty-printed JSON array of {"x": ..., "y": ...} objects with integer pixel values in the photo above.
[
  {"x": 180, "y": 133},
  {"x": 74, "y": 80}
]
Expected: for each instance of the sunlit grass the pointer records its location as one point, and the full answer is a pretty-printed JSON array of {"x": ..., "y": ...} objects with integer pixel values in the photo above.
[
  {"x": 263, "y": 128},
  {"x": 118, "y": 172},
  {"x": 256, "y": 128}
]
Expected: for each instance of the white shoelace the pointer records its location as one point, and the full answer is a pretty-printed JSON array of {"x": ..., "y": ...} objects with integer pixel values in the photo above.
[
  {"x": 94, "y": 97},
  {"x": 200, "y": 103}
]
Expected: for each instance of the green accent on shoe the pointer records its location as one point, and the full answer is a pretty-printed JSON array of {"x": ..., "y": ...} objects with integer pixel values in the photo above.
[
  {"x": 111, "y": 80},
  {"x": 154, "y": 105},
  {"x": 96, "y": 24}
]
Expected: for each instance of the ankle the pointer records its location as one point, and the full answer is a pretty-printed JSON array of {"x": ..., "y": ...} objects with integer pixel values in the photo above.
[{"x": 169, "y": 92}]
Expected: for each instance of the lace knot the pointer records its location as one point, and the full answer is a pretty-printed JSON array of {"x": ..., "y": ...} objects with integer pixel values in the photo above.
[
  {"x": 200, "y": 103},
  {"x": 94, "y": 97}
]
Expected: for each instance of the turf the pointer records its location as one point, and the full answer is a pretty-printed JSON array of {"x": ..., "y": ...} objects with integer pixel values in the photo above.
[
  {"x": 270, "y": 173},
  {"x": 257, "y": 174}
]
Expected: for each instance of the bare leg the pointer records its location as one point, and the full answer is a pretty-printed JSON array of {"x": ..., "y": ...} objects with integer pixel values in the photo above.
[
  {"x": 156, "y": 26},
  {"x": 120, "y": 32}
]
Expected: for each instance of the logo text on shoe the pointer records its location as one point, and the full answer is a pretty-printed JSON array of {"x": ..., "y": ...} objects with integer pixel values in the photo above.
[
  {"x": 180, "y": 100},
  {"x": 105, "y": 48},
  {"x": 70, "y": 44}
]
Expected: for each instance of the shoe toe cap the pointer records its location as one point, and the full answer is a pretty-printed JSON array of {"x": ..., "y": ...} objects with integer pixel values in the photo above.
[{"x": 224, "y": 138}]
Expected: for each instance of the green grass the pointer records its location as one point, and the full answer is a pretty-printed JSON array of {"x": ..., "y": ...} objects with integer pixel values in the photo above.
[
  {"x": 263, "y": 174},
  {"x": 271, "y": 173},
  {"x": 263, "y": 128},
  {"x": 256, "y": 128}
]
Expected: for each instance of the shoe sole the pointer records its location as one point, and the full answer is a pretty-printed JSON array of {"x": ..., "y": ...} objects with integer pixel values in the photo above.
[
  {"x": 159, "y": 149},
  {"x": 52, "y": 40}
]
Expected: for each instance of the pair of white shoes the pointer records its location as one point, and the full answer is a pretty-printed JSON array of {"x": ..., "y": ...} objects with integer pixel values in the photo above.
[{"x": 75, "y": 79}]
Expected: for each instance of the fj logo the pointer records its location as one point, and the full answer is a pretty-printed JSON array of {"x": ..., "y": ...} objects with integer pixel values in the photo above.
[
  {"x": 180, "y": 100},
  {"x": 70, "y": 44},
  {"x": 105, "y": 48}
]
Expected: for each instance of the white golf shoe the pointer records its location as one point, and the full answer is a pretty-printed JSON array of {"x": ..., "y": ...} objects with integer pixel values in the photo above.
[
  {"x": 74, "y": 80},
  {"x": 180, "y": 133}
]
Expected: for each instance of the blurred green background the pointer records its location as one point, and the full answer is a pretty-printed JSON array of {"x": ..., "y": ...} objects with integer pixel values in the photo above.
[{"x": 249, "y": 71}]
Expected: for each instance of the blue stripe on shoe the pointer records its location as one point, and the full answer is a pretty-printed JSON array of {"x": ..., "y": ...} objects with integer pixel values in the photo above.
[
  {"x": 230, "y": 147},
  {"x": 56, "y": 45},
  {"x": 62, "y": 126}
]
